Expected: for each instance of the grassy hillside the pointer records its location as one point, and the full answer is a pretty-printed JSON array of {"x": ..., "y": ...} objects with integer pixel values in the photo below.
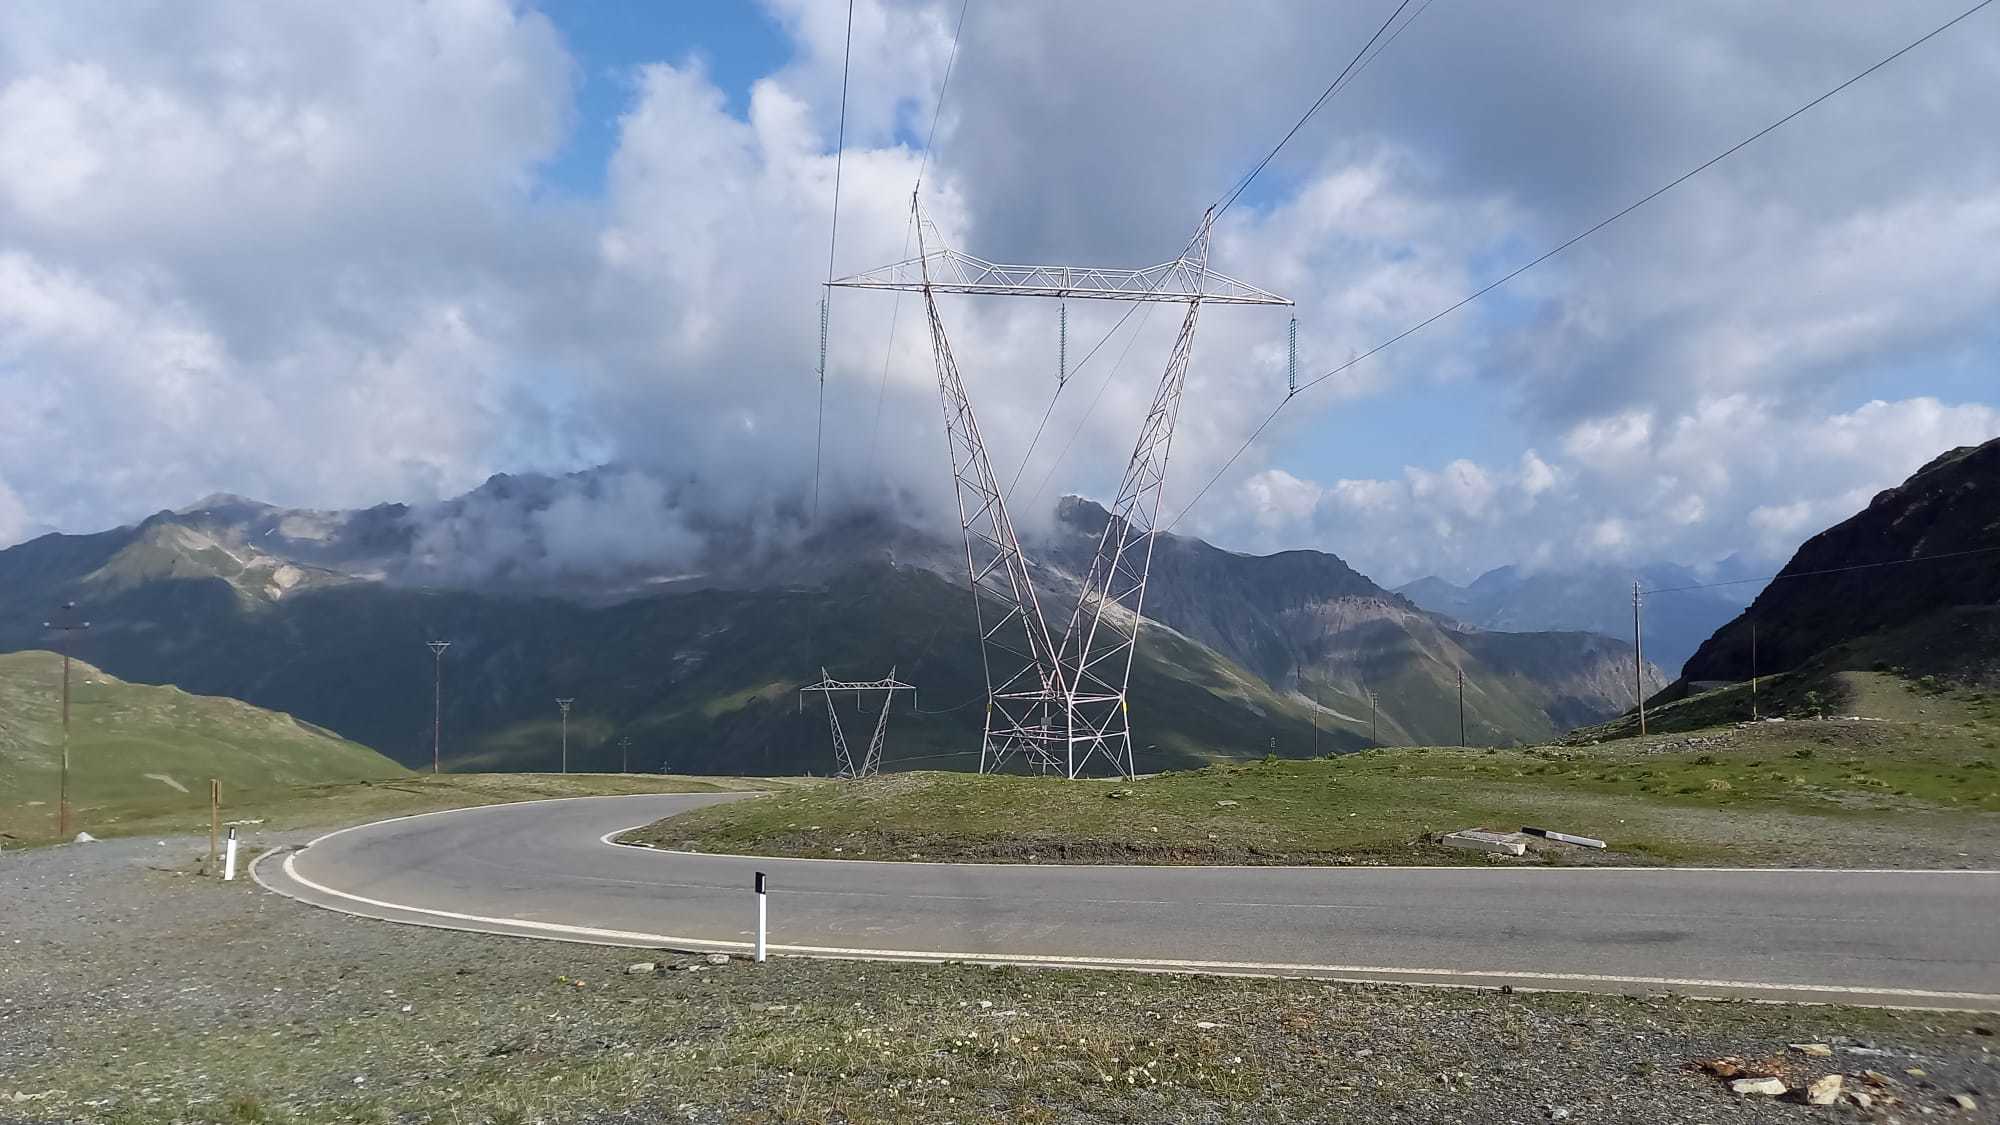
[
  {"x": 1811, "y": 793},
  {"x": 702, "y": 682},
  {"x": 135, "y": 742},
  {"x": 1940, "y": 668}
]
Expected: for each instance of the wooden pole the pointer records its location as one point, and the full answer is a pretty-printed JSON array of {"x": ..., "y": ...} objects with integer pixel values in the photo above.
[
  {"x": 62, "y": 796},
  {"x": 1461, "y": 708},
  {"x": 214, "y": 820},
  {"x": 1638, "y": 659},
  {"x": 1753, "y": 669}
]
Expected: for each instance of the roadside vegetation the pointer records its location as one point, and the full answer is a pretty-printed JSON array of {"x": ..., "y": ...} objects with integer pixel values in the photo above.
[
  {"x": 1808, "y": 792},
  {"x": 341, "y": 803}
]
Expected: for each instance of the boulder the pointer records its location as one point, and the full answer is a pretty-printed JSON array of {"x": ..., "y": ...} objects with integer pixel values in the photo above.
[
  {"x": 1824, "y": 1091},
  {"x": 1813, "y": 1050},
  {"x": 1766, "y": 1087},
  {"x": 718, "y": 958},
  {"x": 642, "y": 968}
]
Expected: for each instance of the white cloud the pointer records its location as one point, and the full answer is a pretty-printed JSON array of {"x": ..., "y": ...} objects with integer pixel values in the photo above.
[
  {"x": 1781, "y": 480},
  {"x": 308, "y": 253}
]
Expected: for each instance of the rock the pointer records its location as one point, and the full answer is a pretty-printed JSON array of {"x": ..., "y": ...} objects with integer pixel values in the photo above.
[
  {"x": 642, "y": 968},
  {"x": 1916, "y": 1072},
  {"x": 1119, "y": 794},
  {"x": 1964, "y": 1102},
  {"x": 718, "y": 958},
  {"x": 1823, "y": 1091},
  {"x": 1724, "y": 1067},
  {"x": 1813, "y": 1050},
  {"x": 1225, "y": 804},
  {"x": 1877, "y": 1077},
  {"x": 1767, "y": 1087},
  {"x": 85, "y": 838},
  {"x": 1556, "y": 1113},
  {"x": 1860, "y": 1098}
]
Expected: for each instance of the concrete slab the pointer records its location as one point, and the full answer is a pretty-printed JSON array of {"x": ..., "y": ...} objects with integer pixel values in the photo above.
[{"x": 1495, "y": 843}]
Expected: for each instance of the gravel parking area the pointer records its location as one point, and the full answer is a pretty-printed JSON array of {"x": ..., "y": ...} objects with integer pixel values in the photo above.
[{"x": 132, "y": 990}]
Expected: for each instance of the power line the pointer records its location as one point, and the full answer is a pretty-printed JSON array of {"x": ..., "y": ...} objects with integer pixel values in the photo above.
[
  {"x": 896, "y": 310},
  {"x": 1572, "y": 241},
  {"x": 1828, "y": 570},
  {"x": 1352, "y": 70},
  {"x": 832, "y": 240},
  {"x": 1228, "y": 198}
]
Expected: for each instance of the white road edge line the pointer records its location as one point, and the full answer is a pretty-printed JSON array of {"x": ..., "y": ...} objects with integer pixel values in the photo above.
[{"x": 628, "y": 937}]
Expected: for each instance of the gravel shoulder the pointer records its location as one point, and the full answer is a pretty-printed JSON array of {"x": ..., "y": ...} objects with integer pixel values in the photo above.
[{"x": 132, "y": 990}]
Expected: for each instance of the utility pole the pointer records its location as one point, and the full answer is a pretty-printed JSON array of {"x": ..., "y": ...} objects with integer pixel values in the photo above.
[
  {"x": 1461, "y": 708},
  {"x": 1638, "y": 658},
  {"x": 437, "y": 700},
  {"x": 1299, "y": 683},
  {"x": 564, "y": 704},
  {"x": 1753, "y": 669},
  {"x": 1373, "y": 742},
  {"x": 625, "y": 754},
  {"x": 64, "y": 623}
]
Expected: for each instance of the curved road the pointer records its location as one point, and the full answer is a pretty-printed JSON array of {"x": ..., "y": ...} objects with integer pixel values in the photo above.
[{"x": 543, "y": 869}]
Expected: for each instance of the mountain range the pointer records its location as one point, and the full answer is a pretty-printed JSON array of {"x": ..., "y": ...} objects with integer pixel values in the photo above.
[
  {"x": 692, "y": 641},
  {"x": 1683, "y": 606}
]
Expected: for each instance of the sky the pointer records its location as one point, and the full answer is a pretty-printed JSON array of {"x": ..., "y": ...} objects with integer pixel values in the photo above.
[{"x": 334, "y": 255}]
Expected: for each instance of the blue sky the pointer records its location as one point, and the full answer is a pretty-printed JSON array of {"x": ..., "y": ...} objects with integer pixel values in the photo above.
[{"x": 736, "y": 43}]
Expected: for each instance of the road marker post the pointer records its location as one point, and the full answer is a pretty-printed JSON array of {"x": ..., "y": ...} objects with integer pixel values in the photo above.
[
  {"x": 214, "y": 820},
  {"x": 229, "y": 859},
  {"x": 761, "y": 917}
]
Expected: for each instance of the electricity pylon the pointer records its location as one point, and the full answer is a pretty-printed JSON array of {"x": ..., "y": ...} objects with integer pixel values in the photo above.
[
  {"x": 871, "y": 763},
  {"x": 1060, "y": 703}
]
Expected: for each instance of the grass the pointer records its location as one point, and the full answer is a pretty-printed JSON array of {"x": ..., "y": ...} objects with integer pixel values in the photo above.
[
  {"x": 340, "y": 803},
  {"x": 138, "y": 744},
  {"x": 1805, "y": 793}
]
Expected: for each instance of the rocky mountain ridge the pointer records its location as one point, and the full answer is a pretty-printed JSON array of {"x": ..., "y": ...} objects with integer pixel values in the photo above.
[{"x": 700, "y": 645}]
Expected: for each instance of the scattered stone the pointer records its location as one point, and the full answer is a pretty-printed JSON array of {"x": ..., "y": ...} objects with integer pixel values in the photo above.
[
  {"x": 1964, "y": 1102},
  {"x": 86, "y": 838},
  {"x": 1877, "y": 1077},
  {"x": 1986, "y": 1031},
  {"x": 1916, "y": 1072},
  {"x": 1556, "y": 1113},
  {"x": 1225, "y": 804},
  {"x": 1768, "y": 1087},
  {"x": 1120, "y": 794},
  {"x": 1813, "y": 1050},
  {"x": 1860, "y": 1098},
  {"x": 718, "y": 958},
  {"x": 1824, "y": 1091},
  {"x": 1495, "y": 843},
  {"x": 642, "y": 968},
  {"x": 1724, "y": 1067}
]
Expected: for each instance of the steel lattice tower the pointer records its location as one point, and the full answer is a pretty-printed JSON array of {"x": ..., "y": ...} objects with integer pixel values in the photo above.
[
  {"x": 1061, "y": 703},
  {"x": 871, "y": 763}
]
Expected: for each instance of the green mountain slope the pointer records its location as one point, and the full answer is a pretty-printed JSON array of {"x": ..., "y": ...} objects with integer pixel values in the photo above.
[{"x": 138, "y": 741}]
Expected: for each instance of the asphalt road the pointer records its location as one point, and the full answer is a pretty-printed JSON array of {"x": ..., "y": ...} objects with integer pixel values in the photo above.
[{"x": 1924, "y": 939}]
